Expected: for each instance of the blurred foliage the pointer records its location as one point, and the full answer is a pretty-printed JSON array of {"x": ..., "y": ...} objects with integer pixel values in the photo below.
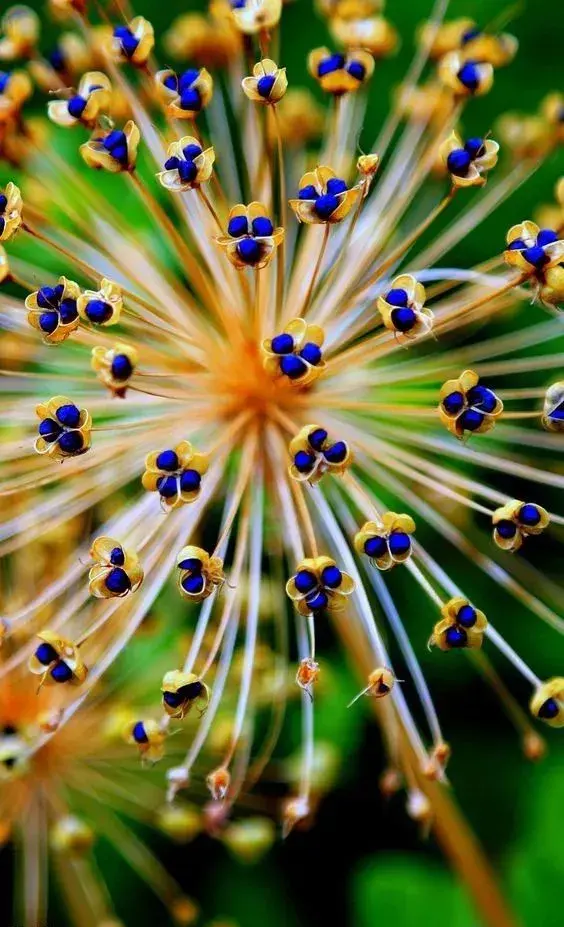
[{"x": 364, "y": 862}]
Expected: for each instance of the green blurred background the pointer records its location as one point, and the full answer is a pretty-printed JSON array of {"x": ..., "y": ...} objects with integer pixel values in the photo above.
[{"x": 364, "y": 863}]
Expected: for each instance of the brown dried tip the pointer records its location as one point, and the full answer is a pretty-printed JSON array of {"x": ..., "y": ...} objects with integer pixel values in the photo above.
[
  {"x": 391, "y": 781},
  {"x": 218, "y": 783},
  {"x": 49, "y": 721},
  {"x": 295, "y": 810},
  {"x": 534, "y": 746}
]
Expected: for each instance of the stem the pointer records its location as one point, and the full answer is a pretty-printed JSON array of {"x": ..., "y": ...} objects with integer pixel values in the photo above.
[{"x": 316, "y": 269}]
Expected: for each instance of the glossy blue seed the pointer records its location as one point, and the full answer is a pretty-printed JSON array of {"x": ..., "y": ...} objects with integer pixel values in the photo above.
[
  {"x": 282, "y": 344},
  {"x": 469, "y": 35},
  {"x": 356, "y": 70},
  {"x": 191, "y": 151},
  {"x": 190, "y": 481},
  {"x": 335, "y": 186},
  {"x": 529, "y": 514},
  {"x": 305, "y": 581},
  {"x": 475, "y": 147},
  {"x": 453, "y": 403},
  {"x": 399, "y": 543},
  {"x": 61, "y": 672},
  {"x": 4, "y": 80},
  {"x": 49, "y": 429},
  {"x": 46, "y": 653},
  {"x": 458, "y": 162},
  {"x": 98, "y": 311},
  {"x": 546, "y": 237},
  {"x": 326, "y": 205},
  {"x": 117, "y": 556},
  {"x": 317, "y": 438},
  {"x": 482, "y": 397},
  {"x": 171, "y": 82},
  {"x": 193, "y": 584},
  {"x": 328, "y": 65},
  {"x": 190, "y": 99},
  {"x": 375, "y": 547},
  {"x": 397, "y": 297},
  {"x": 187, "y": 78},
  {"x": 404, "y": 319},
  {"x": 292, "y": 367},
  {"x": 332, "y": 577},
  {"x": 238, "y": 226},
  {"x": 549, "y": 709},
  {"x": 171, "y": 164},
  {"x": 317, "y": 601},
  {"x": 173, "y": 699},
  {"x": 192, "y": 564},
  {"x": 303, "y": 461},
  {"x": 139, "y": 734},
  {"x": 129, "y": 42},
  {"x": 71, "y": 442},
  {"x": 114, "y": 139},
  {"x": 191, "y": 691},
  {"x": 336, "y": 453},
  {"x": 308, "y": 192},
  {"x": 469, "y": 75},
  {"x": 187, "y": 171},
  {"x": 121, "y": 367},
  {"x": 470, "y": 420},
  {"x": 68, "y": 415},
  {"x": 265, "y": 85},
  {"x": 57, "y": 59},
  {"x": 76, "y": 106},
  {"x": 262, "y": 227},
  {"x": 117, "y": 581},
  {"x": 167, "y": 486},
  {"x": 167, "y": 460},
  {"x": 466, "y": 616},
  {"x": 506, "y": 529},
  {"x": 456, "y": 637},
  {"x": 311, "y": 353},
  {"x": 67, "y": 310},
  {"x": 249, "y": 250},
  {"x": 516, "y": 245},
  {"x": 48, "y": 321},
  {"x": 536, "y": 256},
  {"x": 46, "y": 298}
]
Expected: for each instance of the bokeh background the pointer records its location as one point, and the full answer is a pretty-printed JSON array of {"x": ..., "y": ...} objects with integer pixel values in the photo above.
[{"x": 364, "y": 862}]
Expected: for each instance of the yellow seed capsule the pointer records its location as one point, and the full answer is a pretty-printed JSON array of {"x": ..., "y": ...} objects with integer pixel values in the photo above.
[
  {"x": 101, "y": 307},
  {"x": 461, "y": 626},
  {"x": 547, "y": 702},
  {"x": 115, "y": 366},
  {"x": 57, "y": 660},
  {"x": 268, "y": 83},
  {"x": 380, "y": 683},
  {"x": 12, "y": 752},
  {"x": 71, "y": 835},
  {"x": 11, "y": 217},
  {"x": 181, "y": 691},
  {"x": 181, "y": 821},
  {"x": 515, "y": 521},
  {"x": 149, "y": 737},
  {"x": 250, "y": 839},
  {"x": 553, "y": 410},
  {"x": 116, "y": 570}
]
